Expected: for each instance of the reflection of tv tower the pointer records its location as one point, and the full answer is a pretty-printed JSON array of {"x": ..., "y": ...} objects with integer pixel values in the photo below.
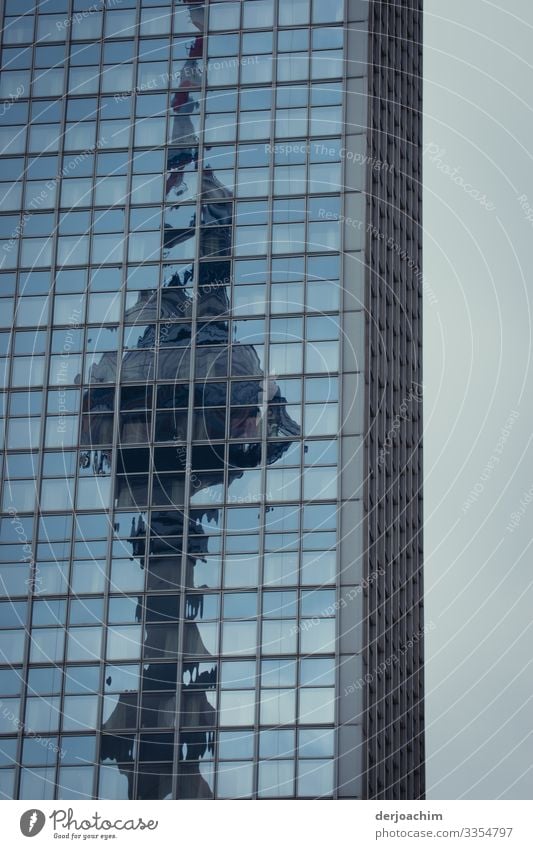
[
  {"x": 259, "y": 404},
  {"x": 184, "y": 106}
]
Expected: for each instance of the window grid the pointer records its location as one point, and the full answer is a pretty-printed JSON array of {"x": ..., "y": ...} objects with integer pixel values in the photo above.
[{"x": 116, "y": 437}]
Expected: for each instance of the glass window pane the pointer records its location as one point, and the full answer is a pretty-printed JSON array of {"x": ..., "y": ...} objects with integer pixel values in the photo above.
[
  {"x": 75, "y": 782},
  {"x": 318, "y": 636},
  {"x": 124, "y": 642},
  {"x": 258, "y": 13},
  {"x": 236, "y": 744},
  {"x": 279, "y": 637},
  {"x": 47, "y": 645},
  {"x": 239, "y": 638},
  {"x": 293, "y": 13},
  {"x": 277, "y": 707},
  {"x": 84, "y": 643},
  {"x": 37, "y": 783},
  {"x": 234, "y": 780},
  {"x": 237, "y": 708},
  {"x": 11, "y": 646},
  {"x": 276, "y": 779},
  {"x": 316, "y": 743},
  {"x": 42, "y": 714},
  {"x": 79, "y": 712},
  {"x": 315, "y": 778},
  {"x": 276, "y": 744}
]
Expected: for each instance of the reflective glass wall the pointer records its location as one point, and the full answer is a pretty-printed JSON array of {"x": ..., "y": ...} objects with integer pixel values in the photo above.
[{"x": 172, "y": 343}]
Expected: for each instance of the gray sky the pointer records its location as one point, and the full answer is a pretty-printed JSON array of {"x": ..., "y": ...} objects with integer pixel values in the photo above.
[{"x": 478, "y": 397}]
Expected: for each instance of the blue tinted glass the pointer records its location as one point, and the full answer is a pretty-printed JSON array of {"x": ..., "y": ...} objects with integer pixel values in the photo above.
[
  {"x": 326, "y": 94},
  {"x": 13, "y": 614},
  {"x": 58, "y": 464},
  {"x": 238, "y": 675},
  {"x": 126, "y": 677},
  {"x": 324, "y": 207},
  {"x": 8, "y": 223},
  {"x": 240, "y": 605},
  {"x": 85, "y": 54},
  {"x": 50, "y": 56},
  {"x": 294, "y": 39},
  {"x": 200, "y": 607},
  {"x": 76, "y": 750},
  {"x": 92, "y": 526},
  {"x": 148, "y": 162},
  {"x": 42, "y": 168},
  {"x": 223, "y": 45},
  {"x": 74, "y": 343},
  {"x": 290, "y": 97},
  {"x": 46, "y": 112},
  {"x": 49, "y": 6},
  {"x": 39, "y": 751},
  {"x": 110, "y": 221},
  {"x": 11, "y": 681},
  {"x": 321, "y": 388},
  {"x": 327, "y": 38},
  {"x": 257, "y": 42},
  {"x": 21, "y": 466},
  {"x": 19, "y": 7},
  {"x": 71, "y": 281},
  {"x": 51, "y": 611},
  {"x": 323, "y": 268},
  {"x": 44, "y": 680},
  {"x": 256, "y": 98},
  {"x": 243, "y": 519},
  {"x": 124, "y": 609},
  {"x": 319, "y": 541},
  {"x": 151, "y": 104},
  {"x": 8, "y": 751},
  {"x": 276, "y": 744},
  {"x": 327, "y": 150},
  {"x": 55, "y": 527},
  {"x": 17, "y": 114},
  {"x": 111, "y": 108},
  {"x": 82, "y": 679},
  {"x": 40, "y": 225},
  {"x": 86, "y": 611},
  {"x": 154, "y": 49},
  {"x": 14, "y": 58},
  {"x": 320, "y": 516},
  {"x": 16, "y": 531},
  {"x": 63, "y": 401},
  {"x": 106, "y": 280},
  {"x": 283, "y": 518},
  {"x": 112, "y": 163},
  {"x": 74, "y": 222},
  {"x": 278, "y": 673},
  {"x": 280, "y": 605},
  {"x": 74, "y": 164},
  {"x": 318, "y": 603},
  {"x": 34, "y": 283},
  {"x": 220, "y": 101},
  {"x": 15, "y": 168},
  {"x": 116, "y": 52},
  {"x": 317, "y": 672},
  {"x": 316, "y": 743},
  {"x": 235, "y": 745},
  {"x": 26, "y": 403},
  {"x": 81, "y": 108},
  {"x": 320, "y": 453}
]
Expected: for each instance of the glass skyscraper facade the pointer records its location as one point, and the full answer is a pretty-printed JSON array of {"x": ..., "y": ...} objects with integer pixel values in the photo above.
[{"x": 210, "y": 535}]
